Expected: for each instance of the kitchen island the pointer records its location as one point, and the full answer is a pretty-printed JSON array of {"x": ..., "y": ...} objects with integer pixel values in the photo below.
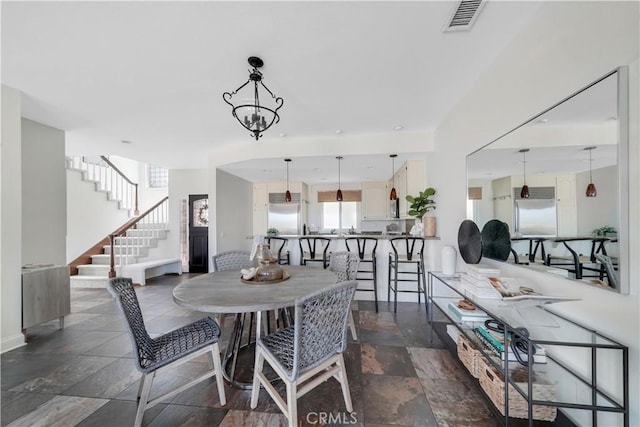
[{"x": 382, "y": 257}]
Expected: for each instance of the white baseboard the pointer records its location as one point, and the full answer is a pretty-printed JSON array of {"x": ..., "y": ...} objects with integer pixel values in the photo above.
[{"x": 11, "y": 343}]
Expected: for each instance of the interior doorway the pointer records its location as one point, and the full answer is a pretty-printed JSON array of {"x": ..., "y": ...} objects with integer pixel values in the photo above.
[{"x": 199, "y": 233}]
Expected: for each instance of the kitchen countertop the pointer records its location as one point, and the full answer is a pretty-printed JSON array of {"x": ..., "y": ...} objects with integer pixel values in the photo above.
[{"x": 345, "y": 235}]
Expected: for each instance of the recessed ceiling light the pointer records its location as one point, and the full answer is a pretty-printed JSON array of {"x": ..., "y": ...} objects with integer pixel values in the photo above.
[
  {"x": 338, "y": 131},
  {"x": 542, "y": 121},
  {"x": 369, "y": 167},
  {"x": 323, "y": 179},
  {"x": 398, "y": 127},
  {"x": 267, "y": 171},
  {"x": 282, "y": 135},
  {"x": 612, "y": 119},
  {"x": 124, "y": 141}
]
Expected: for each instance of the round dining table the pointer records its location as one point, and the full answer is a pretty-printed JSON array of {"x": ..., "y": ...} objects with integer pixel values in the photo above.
[{"x": 223, "y": 292}]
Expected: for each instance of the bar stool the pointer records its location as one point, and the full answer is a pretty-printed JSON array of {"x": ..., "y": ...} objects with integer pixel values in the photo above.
[
  {"x": 314, "y": 249},
  {"x": 407, "y": 251},
  {"x": 366, "y": 248},
  {"x": 277, "y": 246}
]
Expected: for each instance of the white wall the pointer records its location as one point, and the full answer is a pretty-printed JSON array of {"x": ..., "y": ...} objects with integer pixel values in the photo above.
[
  {"x": 601, "y": 210},
  {"x": 44, "y": 192},
  {"x": 560, "y": 51},
  {"x": 182, "y": 183},
  {"x": 234, "y": 212},
  {"x": 10, "y": 222},
  {"x": 90, "y": 215}
]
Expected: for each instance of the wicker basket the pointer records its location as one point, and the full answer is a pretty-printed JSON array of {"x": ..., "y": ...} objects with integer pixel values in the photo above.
[
  {"x": 492, "y": 382},
  {"x": 469, "y": 355}
]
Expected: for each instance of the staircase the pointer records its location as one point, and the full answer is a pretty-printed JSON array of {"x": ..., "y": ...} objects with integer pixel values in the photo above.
[
  {"x": 107, "y": 179},
  {"x": 129, "y": 250}
]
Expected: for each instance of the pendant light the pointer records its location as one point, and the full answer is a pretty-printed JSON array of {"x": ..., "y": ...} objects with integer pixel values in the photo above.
[
  {"x": 287, "y": 195},
  {"x": 524, "y": 192},
  {"x": 393, "y": 195},
  {"x": 339, "y": 192},
  {"x": 591, "y": 188}
]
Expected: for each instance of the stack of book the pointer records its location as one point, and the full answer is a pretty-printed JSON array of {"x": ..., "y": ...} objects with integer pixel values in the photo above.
[
  {"x": 462, "y": 315},
  {"x": 493, "y": 341},
  {"x": 476, "y": 281}
]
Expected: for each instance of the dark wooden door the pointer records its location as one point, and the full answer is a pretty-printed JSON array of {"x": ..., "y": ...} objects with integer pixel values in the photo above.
[{"x": 199, "y": 233}]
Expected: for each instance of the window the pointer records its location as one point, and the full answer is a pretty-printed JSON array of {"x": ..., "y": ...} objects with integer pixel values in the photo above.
[
  {"x": 158, "y": 177},
  {"x": 339, "y": 216}
]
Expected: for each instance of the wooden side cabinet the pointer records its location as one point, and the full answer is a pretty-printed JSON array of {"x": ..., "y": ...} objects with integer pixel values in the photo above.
[{"x": 46, "y": 295}]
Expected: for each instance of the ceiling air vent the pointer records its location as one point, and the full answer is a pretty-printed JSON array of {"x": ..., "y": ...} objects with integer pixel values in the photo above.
[{"x": 464, "y": 15}]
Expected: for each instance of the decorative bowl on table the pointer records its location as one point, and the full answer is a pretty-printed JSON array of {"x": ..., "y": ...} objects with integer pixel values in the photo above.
[{"x": 268, "y": 272}]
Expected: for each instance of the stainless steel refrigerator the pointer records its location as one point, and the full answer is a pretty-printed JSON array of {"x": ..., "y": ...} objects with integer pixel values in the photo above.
[
  {"x": 285, "y": 217},
  {"x": 536, "y": 217}
]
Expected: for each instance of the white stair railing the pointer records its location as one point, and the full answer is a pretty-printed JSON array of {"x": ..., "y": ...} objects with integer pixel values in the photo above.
[
  {"x": 137, "y": 233},
  {"x": 108, "y": 178}
]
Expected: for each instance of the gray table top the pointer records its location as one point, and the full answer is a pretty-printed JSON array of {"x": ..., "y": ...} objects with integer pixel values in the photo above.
[{"x": 223, "y": 292}]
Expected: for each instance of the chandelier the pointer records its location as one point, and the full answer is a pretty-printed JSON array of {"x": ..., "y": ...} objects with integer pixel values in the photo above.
[{"x": 252, "y": 115}]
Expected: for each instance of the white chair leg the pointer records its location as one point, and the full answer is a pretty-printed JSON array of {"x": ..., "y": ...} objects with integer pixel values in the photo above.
[
  {"x": 292, "y": 403},
  {"x": 217, "y": 366},
  {"x": 352, "y": 326},
  {"x": 257, "y": 369},
  {"x": 344, "y": 382},
  {"x": 145, "y": 389}
]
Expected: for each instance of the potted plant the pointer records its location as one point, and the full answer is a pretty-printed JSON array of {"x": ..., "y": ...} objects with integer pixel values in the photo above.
[
  {"x": 607, "y": 231},
  {"x": 272, "y": 231},
  {"x": 419, "y": 206}
]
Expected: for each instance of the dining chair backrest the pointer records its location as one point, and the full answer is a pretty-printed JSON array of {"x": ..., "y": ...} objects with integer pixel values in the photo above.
[
  {"x": 121, "y": 288},
  {"x": 232, "y": 260},
  {"x": 277, "y": 245},
  {"x": 344, "y": 264},
  {"x": 320, "y": 328},
  {"x": 605, "y": 260},
  {"x": 411, "y": 247},
  {"x": 366, "y": 246},
  {"x": 314, "y": 249}
]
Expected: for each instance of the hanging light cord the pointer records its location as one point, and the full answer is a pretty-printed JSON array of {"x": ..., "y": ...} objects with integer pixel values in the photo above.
[
  {"x": 524, "y": 167},
  {"x": 590, "y": 179}
]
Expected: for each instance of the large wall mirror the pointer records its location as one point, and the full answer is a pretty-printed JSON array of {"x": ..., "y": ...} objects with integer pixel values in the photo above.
[{"x": 559, "y": 183}]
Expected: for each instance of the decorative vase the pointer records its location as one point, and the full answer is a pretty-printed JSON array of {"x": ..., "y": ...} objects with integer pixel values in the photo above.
[
  {"x": 269, "y": 269},
  {"x": 429, "y": 226},
  {"x": 449, "y": 256},
  {"x": 417, "y": 229}
]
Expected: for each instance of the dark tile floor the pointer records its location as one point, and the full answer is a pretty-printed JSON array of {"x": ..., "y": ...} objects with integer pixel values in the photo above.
[{"x": 84, "y": 375}]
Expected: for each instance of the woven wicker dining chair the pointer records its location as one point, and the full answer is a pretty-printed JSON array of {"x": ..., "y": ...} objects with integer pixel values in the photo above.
[
  {"x": 232, "y": 260},
  {"x": 166, "y": 351},
  {"x": 308, "y": 353},
  {"x": 345, "y": 265}
]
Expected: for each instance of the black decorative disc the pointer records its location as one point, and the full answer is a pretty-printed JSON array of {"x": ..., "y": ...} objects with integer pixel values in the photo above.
[
  {"x": 496, "y": 241},
  {"x": 470, "y": 242}
]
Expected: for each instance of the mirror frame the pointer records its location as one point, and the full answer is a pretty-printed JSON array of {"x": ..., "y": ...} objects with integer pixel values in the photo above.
[{"x": 623, "y": 167}]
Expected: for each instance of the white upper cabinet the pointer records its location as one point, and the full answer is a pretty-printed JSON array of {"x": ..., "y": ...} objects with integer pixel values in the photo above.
[
  {"x": 375, "y": 200},
  {"x": 409, "y": 180}
]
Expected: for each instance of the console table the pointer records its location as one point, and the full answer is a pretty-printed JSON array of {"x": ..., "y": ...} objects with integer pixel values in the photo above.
[
  {"x": 587, "y": 370},
  {"x": 46, "y": 294}
]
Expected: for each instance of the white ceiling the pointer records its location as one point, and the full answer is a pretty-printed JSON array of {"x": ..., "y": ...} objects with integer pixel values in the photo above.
[{"x": 154, "y": 72}]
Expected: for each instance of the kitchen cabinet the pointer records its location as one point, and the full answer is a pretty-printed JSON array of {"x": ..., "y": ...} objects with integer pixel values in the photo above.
[
  {"x": 409, "y": 180},
  {"x": 375, "y": 200}
]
